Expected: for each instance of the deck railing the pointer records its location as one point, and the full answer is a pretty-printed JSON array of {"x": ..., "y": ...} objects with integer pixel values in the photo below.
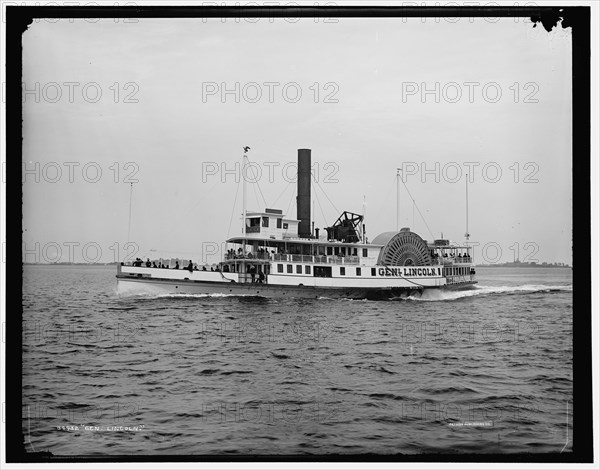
[
  {"x": 459, "y": 278},
  {"x": 289, "y": 258},
  {"x": 452, "y": 260}
]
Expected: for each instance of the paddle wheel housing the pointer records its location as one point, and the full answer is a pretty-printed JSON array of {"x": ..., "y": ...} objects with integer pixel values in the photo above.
[{"x": 403, "y": 248}]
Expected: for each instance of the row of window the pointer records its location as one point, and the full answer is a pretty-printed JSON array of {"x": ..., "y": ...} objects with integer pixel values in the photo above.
[
  {"x": 336, "y": 251},
  {"x": 342, "y": 251},
  {"x": 290, "y": 269},
  {"x": 461, "y": 271},
  {"x": 256, "y": 222},
  {"x": 307, "y": 270}
]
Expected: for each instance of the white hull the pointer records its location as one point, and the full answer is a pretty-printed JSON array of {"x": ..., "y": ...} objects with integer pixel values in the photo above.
[{"x": 149, "y": 281}]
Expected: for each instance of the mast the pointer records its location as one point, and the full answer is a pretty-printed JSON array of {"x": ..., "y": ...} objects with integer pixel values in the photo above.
[
  {"x": 244, "y": 159},
  {"x": 397, "y": 199},
  {"x": 130, "y": 197},
  {"x": 243, "y": 197},
  {"x": 467, "y": 207}
]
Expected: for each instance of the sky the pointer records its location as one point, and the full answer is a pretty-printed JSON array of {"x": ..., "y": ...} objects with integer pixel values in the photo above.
[{"x": 168, "y": 104}]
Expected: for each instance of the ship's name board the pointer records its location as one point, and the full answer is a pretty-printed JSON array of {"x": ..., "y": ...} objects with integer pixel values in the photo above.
[{"x": 410, "y": 272}]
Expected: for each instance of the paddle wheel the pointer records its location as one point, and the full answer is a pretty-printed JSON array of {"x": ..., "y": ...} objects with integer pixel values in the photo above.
[{"x": 403, "y": 248}]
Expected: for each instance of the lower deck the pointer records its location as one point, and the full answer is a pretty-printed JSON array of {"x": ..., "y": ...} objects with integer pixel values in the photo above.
[
  {"x": 134, "y": 285},
  {"x": 251, "y": 275}
]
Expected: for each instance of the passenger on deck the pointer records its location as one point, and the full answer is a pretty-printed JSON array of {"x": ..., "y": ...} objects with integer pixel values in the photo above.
[
  {"x": 190, "y": 266},
  {"x": 176, "y": 265},
  {"x": 148, "y": 263},
  {"x": 212, "y": 269},
  {"x": 226, "y": 268},
  {"x": 261, "y": 276},
  {"x": 203, "y": 268},
  {"x": 154, "y": 264}
]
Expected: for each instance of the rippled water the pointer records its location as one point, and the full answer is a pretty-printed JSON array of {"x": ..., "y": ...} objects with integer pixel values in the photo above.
[{"x": 488, "y": 370}]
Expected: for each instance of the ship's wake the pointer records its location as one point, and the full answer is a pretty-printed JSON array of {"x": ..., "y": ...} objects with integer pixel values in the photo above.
[
  {"x": 428, "y": 295},
  {"x": 158, "y": 295},
  {"x": 436, "y": 295}
]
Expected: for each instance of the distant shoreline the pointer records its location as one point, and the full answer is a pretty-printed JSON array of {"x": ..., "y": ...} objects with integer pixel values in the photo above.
[
  {"x": 70, "y": 264},
  {"x": 522, "y": 265},
  {"x": 497, "y": 265}
]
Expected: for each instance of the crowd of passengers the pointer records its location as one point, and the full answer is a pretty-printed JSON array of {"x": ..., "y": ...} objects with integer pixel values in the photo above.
[
  {"x": 261, "y": 253},
  {"x": 192, "y": 267},
  {"x": 152, "y": 264},
  {"x": 460, "y": 257}
]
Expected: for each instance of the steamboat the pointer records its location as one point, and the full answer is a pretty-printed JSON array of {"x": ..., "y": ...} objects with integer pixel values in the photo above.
[{"x": 278, "y": 256}]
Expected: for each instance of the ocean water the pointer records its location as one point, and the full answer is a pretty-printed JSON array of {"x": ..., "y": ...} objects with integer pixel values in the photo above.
[{"x": 482, "y": 371}]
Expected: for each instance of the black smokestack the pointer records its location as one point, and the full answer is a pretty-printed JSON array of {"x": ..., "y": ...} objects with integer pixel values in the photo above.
[{"x": 303, "y": 199}]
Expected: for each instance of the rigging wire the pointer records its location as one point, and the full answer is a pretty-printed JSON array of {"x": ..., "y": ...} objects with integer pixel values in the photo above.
[
  {"x": 202, "y": 200},
  {"x": 418, "y": 210},
  {"x": 281, "y": 194},
  {"x": 255, "y": 182},
  {"x": 387, "y": 197},
  {"x": 333, "y": 205},
  {"x": 287, "y": 211},
  {"x": 256, "y": 197},
  {"x": 233, "y": 209},
  {"x": 261, "y": 194},
  {"x": 320, "y": 207}
]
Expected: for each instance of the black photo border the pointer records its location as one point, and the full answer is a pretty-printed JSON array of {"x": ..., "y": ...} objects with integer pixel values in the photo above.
[{"x": 18, "y": 18}]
